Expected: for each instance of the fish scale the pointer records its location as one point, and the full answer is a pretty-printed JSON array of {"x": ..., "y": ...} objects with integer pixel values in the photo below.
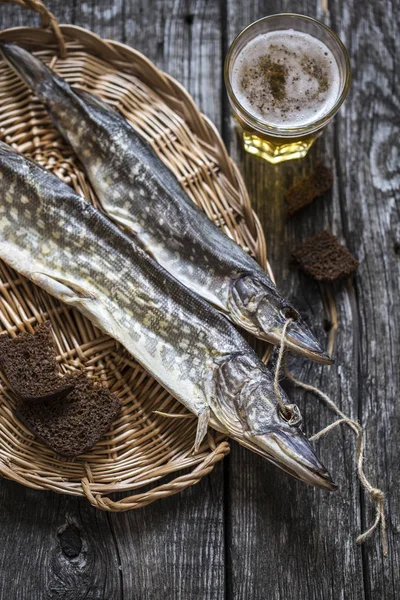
[
  {"x": 139, "y": 192},
  {"x": 188, "y": 346},
  {"x": 109, "y": 269}
]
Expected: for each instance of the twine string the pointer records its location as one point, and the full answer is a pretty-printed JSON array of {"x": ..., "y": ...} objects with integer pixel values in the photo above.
[
  {"x": 377, "y": 495},
  {"x": 284, "y": 408}
]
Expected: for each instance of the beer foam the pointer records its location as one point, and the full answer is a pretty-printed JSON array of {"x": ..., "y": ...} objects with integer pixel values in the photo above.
[{"x": 286, "y": 78}]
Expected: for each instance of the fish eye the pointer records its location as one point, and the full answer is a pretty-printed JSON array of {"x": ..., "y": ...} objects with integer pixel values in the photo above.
[
  {"x": 287, "y": 312},
  {"x": 291, "y": 415},
  {"x": 287, "y": 414}
]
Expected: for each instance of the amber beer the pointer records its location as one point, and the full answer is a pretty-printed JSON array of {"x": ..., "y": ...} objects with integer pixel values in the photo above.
[{"x": 286, "y": 77}]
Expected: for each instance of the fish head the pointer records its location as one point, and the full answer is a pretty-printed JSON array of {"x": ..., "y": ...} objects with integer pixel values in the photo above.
[
  {"x": 279, "y": 436},
  {"x": 260, "y": 308},
  {"x": 248, "y": 409}
]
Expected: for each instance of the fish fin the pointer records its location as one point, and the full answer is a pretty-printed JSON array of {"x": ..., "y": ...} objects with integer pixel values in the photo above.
[
  {"x": 66, "y": 290},
  {"x": 201, "y": 431},
  {"x": 93, "y": 100}
]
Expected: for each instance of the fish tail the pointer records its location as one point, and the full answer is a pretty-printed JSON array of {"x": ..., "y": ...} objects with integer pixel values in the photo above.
[
  {"x": 63, "y": 105},
  {"x": 45, "y": 84},
  {"x": 35, "y": 73}
]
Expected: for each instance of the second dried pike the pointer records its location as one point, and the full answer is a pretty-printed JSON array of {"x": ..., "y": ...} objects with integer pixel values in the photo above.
[
  {"x": 62, "y": 243},
  {"x": 140, "y": 193}
]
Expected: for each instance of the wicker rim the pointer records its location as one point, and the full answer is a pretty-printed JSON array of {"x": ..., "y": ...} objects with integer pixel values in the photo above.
[{"x": 178, "y": 98}]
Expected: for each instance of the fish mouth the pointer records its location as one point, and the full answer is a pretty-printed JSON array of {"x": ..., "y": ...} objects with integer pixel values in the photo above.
[
  {"x": 299, "y": 339},
  {"x": 262, "y": 311},
  {"x": 259, "y": 308},
  {"x": 293, "y": 453}
]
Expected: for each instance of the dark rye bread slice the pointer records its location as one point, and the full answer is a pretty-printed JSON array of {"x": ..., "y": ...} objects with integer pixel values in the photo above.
[
  {"x": 305, "y": 191},
  {"x": 29, "y": 363},
  {"x": 324, "y": 258},
  {"x": 73, "y": 425}
]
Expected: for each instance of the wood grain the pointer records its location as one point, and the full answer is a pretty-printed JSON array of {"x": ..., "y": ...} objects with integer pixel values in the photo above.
[
  {"x": 299, "y": 543},
  {"x": 55, "y": 547},
  {"x": 366, "y": 145},
  {"x": 248, "y": 531}
]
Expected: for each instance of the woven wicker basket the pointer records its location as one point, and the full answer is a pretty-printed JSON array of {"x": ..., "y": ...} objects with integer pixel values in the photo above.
[{"x": 142, "y": 447}]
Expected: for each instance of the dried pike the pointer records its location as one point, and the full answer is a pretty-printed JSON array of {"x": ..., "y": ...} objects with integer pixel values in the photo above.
[
  {"x": 63, "y": 244},
  {"x": 139, "y": 192}
]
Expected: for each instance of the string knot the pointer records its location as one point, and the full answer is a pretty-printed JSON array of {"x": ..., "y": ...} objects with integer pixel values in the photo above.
[{"x": 377, "y": 495}]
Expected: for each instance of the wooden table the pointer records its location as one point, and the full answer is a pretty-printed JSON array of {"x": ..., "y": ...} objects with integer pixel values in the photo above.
[{"x": 248, "y": 531}]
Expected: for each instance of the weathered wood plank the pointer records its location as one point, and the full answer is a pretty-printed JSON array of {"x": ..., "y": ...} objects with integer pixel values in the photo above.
[
  {"x": 12, "y": 15},
  {"x": 288, "y": 541},
  {"x": 55, "y": 547},
  {"x": 367, "y": 142},
  {"x": 174, "y": 548},
  {"x": 104, "y": 18}
]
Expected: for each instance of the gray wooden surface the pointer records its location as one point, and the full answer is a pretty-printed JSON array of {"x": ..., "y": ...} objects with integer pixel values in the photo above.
[{"x": 249, "y": 532}]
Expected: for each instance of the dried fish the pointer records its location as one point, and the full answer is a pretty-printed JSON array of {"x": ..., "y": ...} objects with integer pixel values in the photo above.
[
  {"x": 63, "y": 244},
  {"x": 140, "y": 193}
]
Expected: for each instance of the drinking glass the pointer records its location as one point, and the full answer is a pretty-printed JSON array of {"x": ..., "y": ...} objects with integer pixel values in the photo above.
[{"x": 284, "y": 142}]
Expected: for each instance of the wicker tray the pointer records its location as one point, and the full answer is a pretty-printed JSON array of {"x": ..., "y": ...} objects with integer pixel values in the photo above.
[{"x": 142, "y": 448}]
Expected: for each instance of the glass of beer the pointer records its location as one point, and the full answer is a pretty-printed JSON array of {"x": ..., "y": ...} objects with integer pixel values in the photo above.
[{"x": 286, "y": 77}]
